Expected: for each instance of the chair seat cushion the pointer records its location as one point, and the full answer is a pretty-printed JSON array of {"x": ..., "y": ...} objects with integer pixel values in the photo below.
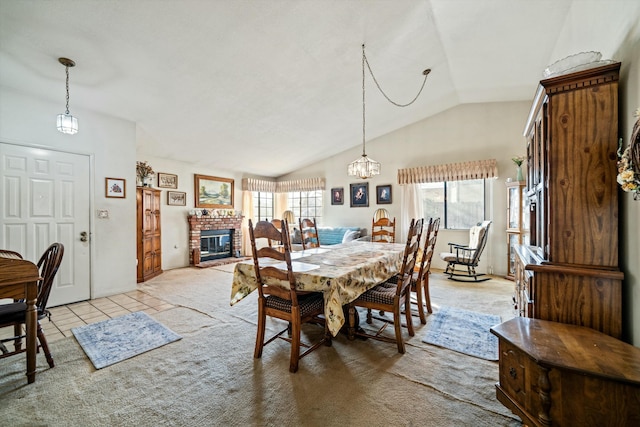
[
  {"x": 13, "y": 312},
  {"x": 383, "y": 293},
  {"x": 451, "y": 257},
  {"x": 311, "y": 303}
]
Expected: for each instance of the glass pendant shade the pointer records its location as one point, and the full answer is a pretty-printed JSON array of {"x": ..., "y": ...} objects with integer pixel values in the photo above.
[
  {"x": 364, "y": 167},
  {"x": 66, "y": 123}
]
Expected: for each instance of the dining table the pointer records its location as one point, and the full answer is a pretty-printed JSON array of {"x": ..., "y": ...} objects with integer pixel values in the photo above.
[
  {"x": 19, "y": 280},
  {"x": 341, "y": 272}
]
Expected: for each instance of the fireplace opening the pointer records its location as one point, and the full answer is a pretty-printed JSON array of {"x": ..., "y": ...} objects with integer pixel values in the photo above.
[{"x": 216, "y": 244}]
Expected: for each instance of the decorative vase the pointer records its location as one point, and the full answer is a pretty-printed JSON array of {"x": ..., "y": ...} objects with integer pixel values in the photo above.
[{"x": 519, "y": 176}]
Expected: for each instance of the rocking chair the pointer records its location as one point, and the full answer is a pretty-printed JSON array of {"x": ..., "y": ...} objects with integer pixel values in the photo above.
[{"x": 467, "y": 255}]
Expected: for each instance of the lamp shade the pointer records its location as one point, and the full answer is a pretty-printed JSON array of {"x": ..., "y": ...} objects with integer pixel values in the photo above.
[{"x": 66, "y": 123}]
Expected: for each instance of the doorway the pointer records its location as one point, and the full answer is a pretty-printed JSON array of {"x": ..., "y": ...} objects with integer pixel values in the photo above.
[{"x": 45, "y": 199}]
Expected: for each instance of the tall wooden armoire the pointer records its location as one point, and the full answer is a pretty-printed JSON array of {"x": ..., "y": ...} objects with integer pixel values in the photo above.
[
  {"x": 148, "y": 236},
  {"x": 569, "y": 271}
]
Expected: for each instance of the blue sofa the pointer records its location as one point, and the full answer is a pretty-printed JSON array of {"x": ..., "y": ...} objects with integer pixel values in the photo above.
[{"x": 333, "y": 235}]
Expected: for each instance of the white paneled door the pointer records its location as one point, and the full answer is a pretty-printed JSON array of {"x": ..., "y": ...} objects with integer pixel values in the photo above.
[{"x": 44, "y": 198}]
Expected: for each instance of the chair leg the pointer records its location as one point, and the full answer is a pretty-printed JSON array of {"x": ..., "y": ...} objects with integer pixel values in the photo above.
[
  {"x": 45, "y": 346},
  {"x": 295, "y": 343},
  {"x": 407, "y": 309},
  {"x": 351, "y": 331},
  {"x": 427, "y": 297},
  {"x": 257, "y": 354},
  {"x": 423, "y": 318},
  {"x": 397, "y": 325},
  {"x": 17, "y": 332}
]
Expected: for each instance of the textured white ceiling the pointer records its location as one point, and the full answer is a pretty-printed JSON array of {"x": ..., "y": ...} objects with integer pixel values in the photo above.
[{"x": 267, "y": 86}]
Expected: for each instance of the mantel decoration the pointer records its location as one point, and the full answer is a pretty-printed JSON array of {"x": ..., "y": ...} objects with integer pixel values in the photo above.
[
  {"x": 365, "y": 167},
  {"x": 518, "y": 161},
  {"x": 65, "y": 122},
  {"x": 144, "y": 172},
  {"x": 629, "y": 162}
]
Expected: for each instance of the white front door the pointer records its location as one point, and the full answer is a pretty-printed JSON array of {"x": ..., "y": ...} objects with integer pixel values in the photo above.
[{"x": 44, "y": 198}]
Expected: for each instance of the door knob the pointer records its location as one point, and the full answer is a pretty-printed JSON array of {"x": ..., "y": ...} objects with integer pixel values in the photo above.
[{"x": 84, "y": 236}]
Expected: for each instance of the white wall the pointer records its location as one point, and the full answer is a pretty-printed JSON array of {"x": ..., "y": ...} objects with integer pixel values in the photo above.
[
  {"x": 111, "y": 144},
  {"x": 463, "y": 133}
]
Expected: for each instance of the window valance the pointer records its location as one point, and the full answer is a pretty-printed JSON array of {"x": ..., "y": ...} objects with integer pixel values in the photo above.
[
  {"x": 308, "y": 184},
  {"x": 478, "y": 169}
]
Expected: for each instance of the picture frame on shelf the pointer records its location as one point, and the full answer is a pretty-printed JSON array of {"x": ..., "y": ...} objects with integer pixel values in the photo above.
[
  {"x": 176, "y": 198},
  {"x": 359, "y": 195},
  {"x": 383, "y": 194},
  {"x": 337, "y": 196},
  {"x": 115, "y": 188},
  {"x": 167, "y": 180},
  {"x": 213, "y": 192}
]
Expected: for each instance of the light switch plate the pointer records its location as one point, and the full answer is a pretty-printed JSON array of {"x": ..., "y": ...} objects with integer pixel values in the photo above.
[{"x": 103, "y": 214}]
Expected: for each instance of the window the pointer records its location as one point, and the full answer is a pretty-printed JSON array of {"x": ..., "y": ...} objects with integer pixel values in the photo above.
[
  {"x": 460, "y": 204},
  {"x": 306, "y": 204},
  {"x": 262, "y": 206}
]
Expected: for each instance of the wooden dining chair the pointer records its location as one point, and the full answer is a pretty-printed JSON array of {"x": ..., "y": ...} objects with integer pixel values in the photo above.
[
  {"x": 383, "y": 230},
  {"x": 391, "y": 299},
  {"x": 309, "y": 233},
  {"x": 15, "y": 314},
  {"x": 420, "y": 283},
  {"x": 278, "y": 223},
  {"x": 278, "y": 297}
]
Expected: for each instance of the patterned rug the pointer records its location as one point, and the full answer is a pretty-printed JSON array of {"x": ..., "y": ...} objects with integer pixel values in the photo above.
[
  {"x": 114, "y": 340},
  {"x": 463, "y": 331}
]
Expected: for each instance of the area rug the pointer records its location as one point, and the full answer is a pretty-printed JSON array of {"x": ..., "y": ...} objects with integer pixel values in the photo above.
[
  {"x": 114, "y": 340},
  {"x": 463, "y": 331}
]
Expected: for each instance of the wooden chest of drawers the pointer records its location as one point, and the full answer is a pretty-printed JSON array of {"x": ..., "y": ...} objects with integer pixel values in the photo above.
[{"x": 565, "y": 375}]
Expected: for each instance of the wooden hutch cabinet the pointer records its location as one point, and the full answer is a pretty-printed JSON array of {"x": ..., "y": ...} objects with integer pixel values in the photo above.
[
  {"x": 149, "y": 241},
  {"x": 515, "y": 197},
  {"x": 569, "y": 270}
]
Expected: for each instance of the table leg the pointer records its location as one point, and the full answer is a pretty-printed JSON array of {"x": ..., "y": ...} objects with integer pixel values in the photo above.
[{"x": 32, "y": 339}]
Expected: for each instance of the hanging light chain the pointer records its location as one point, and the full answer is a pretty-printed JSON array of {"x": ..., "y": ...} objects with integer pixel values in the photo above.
[
  {"x": 364, "y": 59},
  {"x": 425, "y": 73},
  {"x": 67, "y": 71}
]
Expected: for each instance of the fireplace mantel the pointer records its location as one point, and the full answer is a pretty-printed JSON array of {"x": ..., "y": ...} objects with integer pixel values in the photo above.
[{"x": 199, "y": 223}]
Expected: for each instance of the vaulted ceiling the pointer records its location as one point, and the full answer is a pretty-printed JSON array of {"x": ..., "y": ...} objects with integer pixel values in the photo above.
[{"x": 267, "y": 86}]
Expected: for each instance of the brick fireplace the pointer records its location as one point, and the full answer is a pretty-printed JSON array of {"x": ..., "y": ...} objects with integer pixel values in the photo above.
[{"x": 198, "y": 224}]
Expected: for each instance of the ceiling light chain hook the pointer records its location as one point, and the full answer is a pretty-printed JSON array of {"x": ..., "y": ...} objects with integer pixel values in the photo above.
[{"x": 425, "y": 73}]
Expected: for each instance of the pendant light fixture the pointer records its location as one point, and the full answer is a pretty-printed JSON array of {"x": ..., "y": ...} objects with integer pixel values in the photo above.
[
  {"x": 66, "y": 123},
  {"x": 365, "y": 167}
]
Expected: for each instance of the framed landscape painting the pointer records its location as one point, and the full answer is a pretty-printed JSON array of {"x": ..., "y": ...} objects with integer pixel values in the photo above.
[
  {"x": 213, "y": 192},
  {"x": 359, "y": 195}
]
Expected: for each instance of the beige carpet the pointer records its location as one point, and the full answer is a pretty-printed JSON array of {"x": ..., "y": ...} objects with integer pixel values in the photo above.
[{"x": 209, "y": 378}]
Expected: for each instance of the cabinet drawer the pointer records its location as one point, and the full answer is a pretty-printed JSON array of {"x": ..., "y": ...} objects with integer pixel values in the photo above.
[{"x": 512, "y": 372}]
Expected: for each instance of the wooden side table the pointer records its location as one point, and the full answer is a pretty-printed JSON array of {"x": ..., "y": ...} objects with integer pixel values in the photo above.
[{"x": 560, "y": 374}]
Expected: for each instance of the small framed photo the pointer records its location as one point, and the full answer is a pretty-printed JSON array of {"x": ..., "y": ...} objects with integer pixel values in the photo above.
[
  {"x": 176, "y": 198},
  {"x": 337, "y": 196},
  {"x": 115, "y": 187},
  {"x": 213, "y": 192},
  {"x": 359, "y": 195},
  {"x": 383, "y": 194},
  {"x": 167, "y": 180}
]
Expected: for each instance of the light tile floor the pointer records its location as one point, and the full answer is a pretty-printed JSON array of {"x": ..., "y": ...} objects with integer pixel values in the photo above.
[{"x": 65, "y": 317}]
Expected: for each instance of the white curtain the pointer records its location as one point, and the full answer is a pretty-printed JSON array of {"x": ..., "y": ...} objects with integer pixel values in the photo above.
[
  {"x": 411, "y": 208},
  {"x": 280, "y": 201},
  {"x": 247, "y": 210}
]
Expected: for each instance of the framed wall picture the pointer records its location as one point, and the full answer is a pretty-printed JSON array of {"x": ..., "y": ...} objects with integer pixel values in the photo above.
[
  {"x": 359, "y": 195},
  {"x": 337, "y": 196},
  {"x": 115, "y": 187},
  {"x": 167, "y": 180},
  {"x": 213, "y": 192},
  {"x": 176, "y": 198},
  {"x": 383, "y": 194}
]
